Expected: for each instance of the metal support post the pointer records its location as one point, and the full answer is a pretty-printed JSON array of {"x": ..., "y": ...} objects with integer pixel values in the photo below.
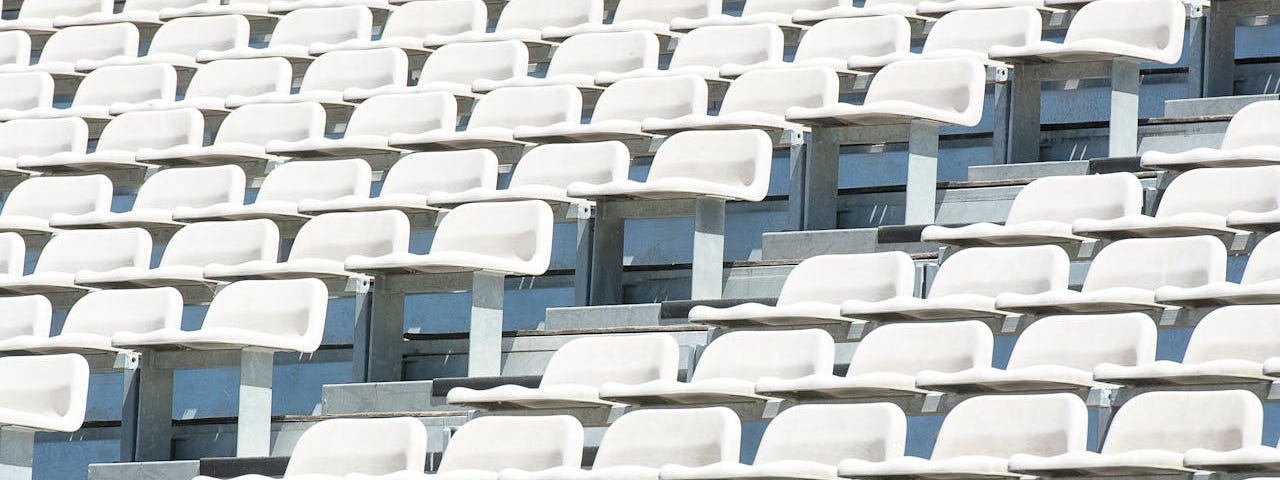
[
  {"x": 17, "y": 445},
  {"x": 148, "y": 416},
  {"x": 922, "y": 173},
  {"x": 253, "y": 424},
  {"x": 379, "y": 339},
  {"x": 1000, "y": 129},
  {"x": 1023, "y": 121},
  {"x": 821, "y": 181},
  {"x": 708, "y": 248},
  {"x": 484, "y": 351},
  {"x": 1219, "y": 61},
  {"x": 582, "y": 266},
  {"x": 606, "y": 256},
  {"x": 1123, "y": 134},
  {"x": 796, "y": 187}
]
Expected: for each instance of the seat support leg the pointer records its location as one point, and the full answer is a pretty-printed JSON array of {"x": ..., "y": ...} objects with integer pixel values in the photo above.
[
  {"x": 485, "y": 347},
  {"x": 379, "y": 340},
  {"x": 16, "y": 449},
  {"x": 820, "y": 191},
  {"x": 708, "y": 248},
  {"x": 147, "y": 420},
  {"x": 253, "y": 428},
  {"x": 1123, "y": 134},
  {"x": 606, "y": 256},
  {"x": 922, "y": 173}
]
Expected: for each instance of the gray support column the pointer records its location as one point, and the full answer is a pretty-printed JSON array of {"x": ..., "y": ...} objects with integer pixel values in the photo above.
[
  {"x": 1195, "y": 55},
  {"x": 1219, "y": 53},
  {"x": 1024, "y": 116},
  {"x": 379, "y": 339},
  {"x": 582, "y": 264},
  {"x": 922, "y": 173},
  {"x": 152, "y": 431},
  {"x": 708, "y": 248},
  {"x": 1123, "y": 134},
  {"x": 253, "y": 424},
  {"x": 821, "y": 180},
  {"x": 129, "y": 416},
  {"x": 796, "y": 187},
  {"x": 606, "y": 256},
  {"x": 1000, "y": 129},
  {"x": 484, "y": 352},
  {"x": 17, "y": 445}
]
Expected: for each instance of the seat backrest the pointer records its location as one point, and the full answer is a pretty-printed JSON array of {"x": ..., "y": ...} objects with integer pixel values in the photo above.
[
  {"x": 833, "y": 279},
  {"x": 828, "y": 434},
  {"x": 260, "y": 123},
  {"x": 1264, "y": 261},
  {"x": 327, "y": 180},
  {"x": 338, "y": 235},
  {"x": 191, "y": 187},
  {"x": 70, "y": 8},
  {"x": 247, "y": 77},
  {"x": 953, "y": 85},
  {"x": 467, "y": 62},
  {"x": 772, "y": 91},
  {"x": 43, "y": 136},
  {"x": 1156, "y": 25},
  {"x": 841, "y": 38},
  {"x": 108, "y": 312},
  {"x": 75, "y": 251},
  {"x": 41, "y": 197},
  {"x": 719, "y": 45},
  {"x": 133, "y": 131},
  {"x": 516, "y": 232},
  {"x": 539, "y": 14},
  {"x": 15, "y": 48},
  {"x": 910, "y": 348},
  {"x": 1068, "y": 198},
  {"x": 27, "y": 90},
  {"x": 127, "y": 84},
  {"x": 628, "y": 359},
  {"x": 992, "y": 271},
  {"x": 592, "y": 53},
  {"x": 1220, "y": 191},
  {"x": 52, "y": 390},
  {"x": 527, "y": 443},
  {"x": 188, "y": 35},
  {"x": 384, "y": 115},
  {"x": 559, "y": 164},
  {"x": 26, "y": 315},
  {"x": 13, "y": 254},
  {"x": 637, "y": 99},
  {"x": 157, "y": 5},
  {"x": 323, "y": 25},
  {"x": 1239, "y": 332},
  {"x": 436, "y": 17},
  {"x": 342, "y": 69},
  {"x": 226, "y": 243},
  {"x": 370, "y": 446},
  {"x": 1255, "y": 124},
  {"x": 91, "y": 42},
  {"x": 1085, "y": 341},
  {"x": 534, "y": 106},
  {"x": 665, "y": 10},
  {"x": 979, "y": 30},
  {"x": 1004, "y": 425},
  {"x": 1150, "y": 263},
  {"x": 737, "y": 158},
  {"x": 1180, "y": 421},
  {"x": 751, "y": 355},
  {"x": 692, "y": 437},
  {"x": 283, "y": 308},
  {"x": 752, "y": 7},
  {"x": 425, "y": 172}
]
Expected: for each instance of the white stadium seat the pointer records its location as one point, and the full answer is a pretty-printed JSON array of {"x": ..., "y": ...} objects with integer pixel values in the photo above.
[
  {"x": 74, "y": 44},
  {"x": 758, "y": 99},
  {"x": 641, "y": 15},
  {"x": 298, "y": 30},
  {"x": 623, "y": 107},
  {"x": 1233, "y": 344},
  {"x": 814, "y": 290},
  {"x": 15, "y": 48},
  {"x": 524, "y": 20},
  {"x": 30, "y": 315},
  {"x": 133, "y": 11},
  {"x": 968, "y": 33},
  {"x": 1257, "y": 284},
  {"x": 1146, "y": 30},
  {"x": 685, "y": 167},
  {"x": 38, "y": 15},
  {"x": 344, "y": 446},
  {"x": 579, "y": 58},
  {"x": 243, "y": 135},
  {"x": 177, "y": 42},
  {"x": 412, "y": 183},
  {"x": 527, "y": 443},
  {"x": 98, "y": 316},
  {"x": 166, "y": 190},
  {"x": 334, "y": 72},
  {"x": 77, "y": 251},
  {"x": 496, "y": 116},
  {"x": 410, "y": 22},
  {"x": 194, "y": 248},
  {"x": 887, "y": 360},
  {"x": 23, "y": 140},
  {"x": 830, "y": 43},
  {"x": 25, "y": 91},
  {"x": 215, "y": 81},
  {"x": 947, "y": 91},
  {"x": 453, "y": 68},
  {"x": 968, "y": 283},
  {"x": 123, "y": 137},
  {"x": 285, "y": 187},
  {"x": 374, "y": 121},
  {"x": 730, "y": 366},
  {"x": 776, "y": 12},
  {"x": 106, "y": 87},
  {"x": 703, "y": 51},
  {"x": 544, "y": 173},
  {"x": 323, "y": 243},
  {"x": 47, "y": 392},
  {"x": 577, "y": 370},
  {"x": 33, "y": 202},
  {"x": 1250, "y": 140}
]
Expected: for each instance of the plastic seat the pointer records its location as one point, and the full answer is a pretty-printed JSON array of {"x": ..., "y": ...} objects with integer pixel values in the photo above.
[
  {"x": 641, "y": 15},
  {"x": 243, "y": 135},
  {"x": 414, "y": 180},
  {"x": 46, "y": 392},
  {"x": 99, "y": 315},
  {"x": 215, "y": 81},
  {"x": 545, "y": 172},
  {"x": 623, "y": 107},
  {"x": 254, "y": 8},
  {"x": 496, "y": 116},
  {"x": 830, "y": 43},
  {"x": 814, "y": 290},
  {"x": 758, "y": 99},
  {"x": 109, "y": 86},
  {"x": 577, "y": 370},
  {"x": 1058, "y": 353},
  {"x": 298, "y": 30},
  {"x": 191, "y": 251},
  {"x": 967, "y": 33},
  {"x": 947, "y": 91},
  {"x": 869, "y": 8},
  {"x": 177, "y": 42},
  {"x": 1151, "y": 432},
  {"x": 703, "y": 51},
  {"x": 1250, "y": 141},
  {"x": 1044, "y": 210},
  {"x": 1145, "y": 30},
  {"x": 133, "y": 11},
  {"x": 373, "y": 121},
  {"x": 332, "y": 73},
  {"x": 15, "y": 48},
  {"x": 1257, "y": 285},
  {"x": 75, "y": 251},
  {"x": 1124, "y": 276},
  {"x": 579, "y": 58},
  {"x": 323, "y": 243},
  {"x": 776, "y": 12},
  {"x": 25, "y": 91},
  {"x": 731, "y": 366},
  {"x": 285, "y": 187},
  {"x": 33, "y": 202},
  {"x": 524, "y": 20},
  {"x": 122, "y": 138},
  {"x": 452, "y": 68},
  {"x": 509, "y": 238},
  {"x": 526, "y": 443},
  {"x": 410, "y": 22},
  {"x": 732, "y": 164},
  {"x": 344, "y": 446},
  {"x": 158, "y": 196},
  {"x": 25, "y": 316},
  {"x": 1198, "y": 202},
  {"x": 23, "y": 140},
  {"x": 980, "y": 434},
  {"x": 807, "y": 441},
  {"x": 37, "y": 16},
  {"x": 888, "y": 359},
  {"x": 73, "y": 44},
  {"x": 967, "y": 285}
]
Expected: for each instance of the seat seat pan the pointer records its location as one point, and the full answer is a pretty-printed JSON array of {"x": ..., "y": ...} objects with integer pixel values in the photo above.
[
  {"x": 517, "y": 397},
  {"x": 413, "y": 44},
  {"x": 206, "y": 9},
  {"x": 142, "y": 217},
  {"x": 577, "y": 80},
  {"x": 317, "y": 96},
  {"x": 814, "y": 16},
  {"x": 94, "y": 112},
  {"x": 755, "y": 314},
  {"x": 993, "y": 235},
  {"x": 623, "y": 26},
  {"x": 1088, "y": 50},
  {"x": 81, "y": 343},
  {"x": 545, "y": 193},
  {"x": 950, "y": 307},
  {"x": 79, "y": 162},
  {"x": 935, "y": 8},
  {"x": 576, "y": 132},
  {"x": 521, "y": 34},
  {"x": 230, "y": 211},
  {"x": 914, "y": 467},
  {"x": 175, "y": 59},
  {"x": 885, "y": 112},
  {"x": 1128, "y": 226},
  {"x": 1108, "y": 300},
  {"x": 204, "y": 104},
  {"x": 264, "y": 270},
  {"x": 1254, "y": 458},
  {"x": 662, "y": 189},
  {"x": 457, "y": 89},
  {"x": 704, "y": 71},
  {"x": 352, "y": 145},
  {"x": 1252, "y": 156},
  {"x": 987, "y": 379},
  {"x": 283, "y": 6},
  {"x": 480, "y": 137},
  {"x": 734, "y": 69},
  {"x": 406, "y": 202},
  {"x": 218, "y": 338},
  {"x": 136, "y": 277},
  {"x": 24, "y": 224},
  {"x": 1165, "y": 372},
  {"x": 439, "y": 262},
  {"x": 96, "y": 18},
  {"x": 829, "y": 387},
  {"x": 775, "y": 18},
  {"x": 216, "y": 154},
  {"x": 1262, "y": 221},
  {"x": 285, "y": 51},
  {"x": 729, "y": 121},
  {"x": 785, "y": 469},
  {"x": 1136, "y": 462},
  {"x": 1221, "y": 293},
  {"x": 670, "y": 392},
  {"x": 40, "y": 283}
]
